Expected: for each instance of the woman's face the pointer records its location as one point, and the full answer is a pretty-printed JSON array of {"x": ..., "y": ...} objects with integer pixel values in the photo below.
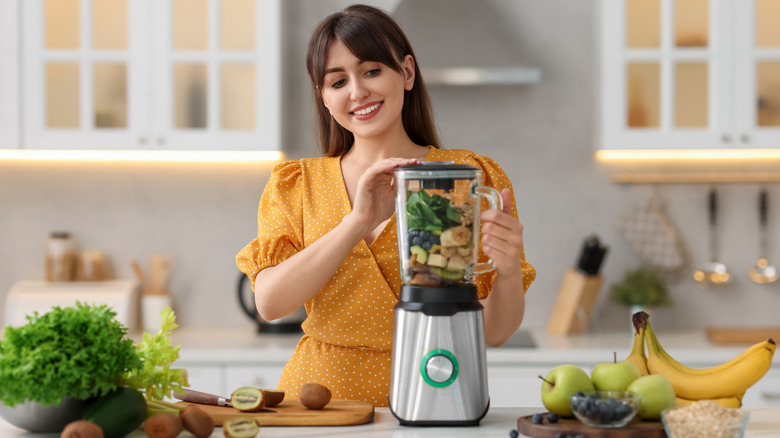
[{"x": 365, "y": 97}]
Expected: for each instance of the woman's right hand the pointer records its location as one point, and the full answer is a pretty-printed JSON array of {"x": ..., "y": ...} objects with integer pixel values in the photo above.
[{"x": 375, "y": 196}]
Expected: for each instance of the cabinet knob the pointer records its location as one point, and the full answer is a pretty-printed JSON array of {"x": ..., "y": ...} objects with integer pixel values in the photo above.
[
  {"x": 745, "y": 138},
  {"x": 160, "y": 140},
  {"x": 142, "y": 140},
  {"x": 726, "y": 138}
]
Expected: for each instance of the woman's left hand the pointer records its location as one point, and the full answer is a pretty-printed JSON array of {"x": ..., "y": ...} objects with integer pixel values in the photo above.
[{"x": 502, "y": 237}]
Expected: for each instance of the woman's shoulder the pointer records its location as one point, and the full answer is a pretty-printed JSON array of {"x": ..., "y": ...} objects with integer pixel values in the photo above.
[
  {"x": 297, "y": 168},
  {"x": 462, "y": 156}
]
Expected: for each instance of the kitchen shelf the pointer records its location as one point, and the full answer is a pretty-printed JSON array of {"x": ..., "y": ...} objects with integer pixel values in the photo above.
[
  {"x": 470, "y": 76},
  {"x": 704, "y": 178}
]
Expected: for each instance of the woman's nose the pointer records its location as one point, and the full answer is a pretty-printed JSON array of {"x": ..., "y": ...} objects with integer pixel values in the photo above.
[{"x": 358, "y": 92}]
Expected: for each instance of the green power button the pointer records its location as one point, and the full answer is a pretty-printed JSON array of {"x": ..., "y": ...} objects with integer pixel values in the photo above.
[{"x": 439, "y": 368}]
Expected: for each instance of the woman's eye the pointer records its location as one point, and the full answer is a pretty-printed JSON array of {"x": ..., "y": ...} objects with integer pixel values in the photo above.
[
  {"x": 373, "y": 72},
  {"x": 338, "y": 84}
]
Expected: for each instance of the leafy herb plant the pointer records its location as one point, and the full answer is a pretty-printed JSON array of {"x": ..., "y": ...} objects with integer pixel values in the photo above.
[
  {"x": 78, "y": 351},
  {"x": 155, "y": 376},
  {"x": 641, "y": 287}
]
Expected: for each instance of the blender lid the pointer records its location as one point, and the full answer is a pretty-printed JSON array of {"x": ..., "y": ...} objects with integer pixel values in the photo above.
[{"x": 438, "y": 170}]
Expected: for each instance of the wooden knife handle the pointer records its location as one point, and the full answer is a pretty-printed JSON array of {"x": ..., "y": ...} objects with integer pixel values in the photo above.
[{"x": 202, "y": 398}]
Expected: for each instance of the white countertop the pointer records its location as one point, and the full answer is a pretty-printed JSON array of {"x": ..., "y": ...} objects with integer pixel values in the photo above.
[
  {"x": 692, "y": 347},
  {"x": 497, "y": 423}
]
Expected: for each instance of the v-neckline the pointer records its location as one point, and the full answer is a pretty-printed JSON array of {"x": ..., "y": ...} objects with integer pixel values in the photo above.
[{"x": 345, "y": 196}]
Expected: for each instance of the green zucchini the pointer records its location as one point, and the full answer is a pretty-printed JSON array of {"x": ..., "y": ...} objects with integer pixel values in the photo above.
[{"x": 119, "y": 412}]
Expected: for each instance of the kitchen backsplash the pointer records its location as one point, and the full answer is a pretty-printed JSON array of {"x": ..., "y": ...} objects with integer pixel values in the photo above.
[{"x": 544, "y": 135}]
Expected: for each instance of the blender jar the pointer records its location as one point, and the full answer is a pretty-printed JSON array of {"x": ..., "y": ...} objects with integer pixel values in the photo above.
[{"x": 437, "y": 212}]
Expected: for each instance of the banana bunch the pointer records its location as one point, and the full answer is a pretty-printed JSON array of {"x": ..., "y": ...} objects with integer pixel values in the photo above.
[{"x": 725, "y": 383}]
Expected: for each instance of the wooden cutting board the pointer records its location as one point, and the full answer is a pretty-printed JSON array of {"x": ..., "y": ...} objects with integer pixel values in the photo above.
[
  {"x": 292, "y": 413},
  {"x": 742, "y": 335},
  {"x": 572, "y": 426}
]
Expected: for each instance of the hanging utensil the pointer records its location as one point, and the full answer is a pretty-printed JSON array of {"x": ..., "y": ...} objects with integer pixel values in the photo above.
[
  {"x": 763, "y": 272},
  {"x": 715, "y": 272}
]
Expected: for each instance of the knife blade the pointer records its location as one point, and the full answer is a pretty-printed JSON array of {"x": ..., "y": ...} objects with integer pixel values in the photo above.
[{"x": 203, "y": 398}]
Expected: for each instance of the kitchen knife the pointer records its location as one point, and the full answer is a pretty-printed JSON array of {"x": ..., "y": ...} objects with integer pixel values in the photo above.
[{"x": 202, "y": 398}]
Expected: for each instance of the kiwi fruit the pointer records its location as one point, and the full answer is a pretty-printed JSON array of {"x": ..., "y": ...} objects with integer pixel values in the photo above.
[
  {"x": 272, "y": 397},
  {"x": 197, "y": 421},
  {"x": 315, "y": 396},
  {"x": 163, "y": 425},
  {"x": 240, "y": 427},
  {"x": 82, "y": 429},
  {"x": 248, "y": 399}
]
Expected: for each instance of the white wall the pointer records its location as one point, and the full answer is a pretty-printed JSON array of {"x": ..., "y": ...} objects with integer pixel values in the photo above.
[{"x": 543, "y": 135}]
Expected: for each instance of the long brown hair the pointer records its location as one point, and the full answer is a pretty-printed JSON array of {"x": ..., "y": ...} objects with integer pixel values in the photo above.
[{"x": 371, "y": 35}]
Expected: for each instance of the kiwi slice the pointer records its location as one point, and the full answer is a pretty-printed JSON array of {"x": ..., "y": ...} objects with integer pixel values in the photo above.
[
  {"x": 444, "y": 273},
  {"x": 248, "y": 399},
  {"x": 240, "y": 427}
]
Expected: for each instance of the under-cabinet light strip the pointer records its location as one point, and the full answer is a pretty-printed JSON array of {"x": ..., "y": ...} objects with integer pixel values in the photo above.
[
  {"x": 687, "y": 154},
  {"x": 140, "y": 156}
]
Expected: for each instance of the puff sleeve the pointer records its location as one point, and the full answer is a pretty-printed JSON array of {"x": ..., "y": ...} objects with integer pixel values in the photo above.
[{"x": 279, "y": 222}]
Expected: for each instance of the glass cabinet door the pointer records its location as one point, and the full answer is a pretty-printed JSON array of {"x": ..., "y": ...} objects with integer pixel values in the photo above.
[
  {"x": 759, "y": 56},
  {"x": 77, "y": 74},
  {"x": 164, "y": 74},
  {"x": 663, "y": 56}
]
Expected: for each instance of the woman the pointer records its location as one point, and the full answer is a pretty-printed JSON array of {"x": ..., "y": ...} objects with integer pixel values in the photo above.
[{"x": 327, "y": 235}]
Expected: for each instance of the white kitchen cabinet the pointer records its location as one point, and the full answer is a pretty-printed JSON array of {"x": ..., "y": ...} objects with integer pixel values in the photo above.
[
  {"x": 518, "y": 384},
  {"x": 208, "y": 378},
  {"x": 690, "y": 74},
  {"x": 265, "y": 376},
  {"x": 765, "y": 393},
  {"x": 145, "y": 74}
]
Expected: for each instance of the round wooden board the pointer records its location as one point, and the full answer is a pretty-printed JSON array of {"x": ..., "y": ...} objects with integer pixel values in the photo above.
[{"x": 572, "y": 426}]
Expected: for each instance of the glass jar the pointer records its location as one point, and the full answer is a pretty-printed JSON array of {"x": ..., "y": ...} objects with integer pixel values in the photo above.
[{"x": 61, "y": 257}]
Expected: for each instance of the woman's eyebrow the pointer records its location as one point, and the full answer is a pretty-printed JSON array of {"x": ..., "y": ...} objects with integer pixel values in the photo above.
[{"x": 339, "y": 69}]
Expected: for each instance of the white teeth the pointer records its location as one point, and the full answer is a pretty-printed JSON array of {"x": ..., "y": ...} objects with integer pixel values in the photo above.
[{"x": 365, "y": 111}]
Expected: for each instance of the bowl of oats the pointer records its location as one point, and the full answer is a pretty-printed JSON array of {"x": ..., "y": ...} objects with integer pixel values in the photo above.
[{"x": 705, "y": 419}]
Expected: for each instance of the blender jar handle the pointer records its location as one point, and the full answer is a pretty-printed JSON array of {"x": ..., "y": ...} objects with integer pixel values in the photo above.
[{"x": 495, "y": 203}]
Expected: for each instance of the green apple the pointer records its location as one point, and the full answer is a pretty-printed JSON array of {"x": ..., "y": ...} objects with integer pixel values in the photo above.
[
  {"x": 657, "y": 394},
  {"x": 560, "y": 384},
  {"x": 614, "y": 376}
]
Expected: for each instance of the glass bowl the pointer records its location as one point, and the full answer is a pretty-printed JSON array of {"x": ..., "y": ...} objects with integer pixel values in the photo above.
[
  {"x": 605, "y": 408},
  {"x": 704, "y": 419}
]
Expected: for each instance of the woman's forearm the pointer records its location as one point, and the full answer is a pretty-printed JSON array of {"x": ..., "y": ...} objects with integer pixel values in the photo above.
[
  {"x": 281, "y": 289},
  {"x": 504, "y": 309}
]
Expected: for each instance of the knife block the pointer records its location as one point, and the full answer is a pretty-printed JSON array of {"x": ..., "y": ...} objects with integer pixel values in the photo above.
[{"x": 574, "y": 305}]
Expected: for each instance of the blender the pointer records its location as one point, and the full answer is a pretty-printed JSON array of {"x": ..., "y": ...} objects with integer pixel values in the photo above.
[{"x": 438, "y": 369}]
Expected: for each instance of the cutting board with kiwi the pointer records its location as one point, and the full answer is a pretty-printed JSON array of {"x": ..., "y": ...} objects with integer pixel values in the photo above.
[
  {"x": 292, "y": 413},
  {"x": 572, "y": 426}
]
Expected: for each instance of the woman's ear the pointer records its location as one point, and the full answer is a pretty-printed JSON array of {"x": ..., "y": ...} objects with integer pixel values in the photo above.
[{"x": 408, "y": 67}]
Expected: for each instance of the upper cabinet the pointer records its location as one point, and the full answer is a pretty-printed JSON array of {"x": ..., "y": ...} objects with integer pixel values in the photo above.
[
  {"x": 149, "y": 74},
  {"x": 690, "y": 74}
]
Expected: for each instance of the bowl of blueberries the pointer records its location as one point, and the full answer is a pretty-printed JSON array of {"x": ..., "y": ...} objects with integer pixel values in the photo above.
[{"x": 605, "y": 408}]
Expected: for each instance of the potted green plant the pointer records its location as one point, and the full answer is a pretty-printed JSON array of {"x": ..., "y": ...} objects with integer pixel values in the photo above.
[{"x": 641, "y": 288}]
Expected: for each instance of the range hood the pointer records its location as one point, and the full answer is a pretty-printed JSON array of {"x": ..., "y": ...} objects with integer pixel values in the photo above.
[{"x": 462, "y": 42}]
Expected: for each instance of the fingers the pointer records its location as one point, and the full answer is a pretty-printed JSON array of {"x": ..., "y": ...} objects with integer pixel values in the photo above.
[{"x": 502, "y": 238}]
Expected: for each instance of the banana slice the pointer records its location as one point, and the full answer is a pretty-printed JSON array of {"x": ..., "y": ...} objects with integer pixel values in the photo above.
[{"x": 456, "y": 236}]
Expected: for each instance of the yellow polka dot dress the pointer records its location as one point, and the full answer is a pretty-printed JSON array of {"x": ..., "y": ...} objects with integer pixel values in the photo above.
[{"x": 348, "y": 331}]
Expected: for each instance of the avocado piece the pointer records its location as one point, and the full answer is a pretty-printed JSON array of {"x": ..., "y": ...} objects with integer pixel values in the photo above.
[{"x": 420, "y": 252}]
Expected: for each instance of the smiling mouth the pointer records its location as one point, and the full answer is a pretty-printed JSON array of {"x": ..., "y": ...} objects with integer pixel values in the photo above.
[{"x": 368, "y": 110}]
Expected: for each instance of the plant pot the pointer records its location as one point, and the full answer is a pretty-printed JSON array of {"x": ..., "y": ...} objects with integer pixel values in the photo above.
[{"x": 34, "y": 417}]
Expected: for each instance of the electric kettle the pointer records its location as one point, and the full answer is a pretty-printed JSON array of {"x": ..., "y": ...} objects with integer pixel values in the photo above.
[
  {"x": 287, "y": 324},
  {"x": 438, "y": 366}
]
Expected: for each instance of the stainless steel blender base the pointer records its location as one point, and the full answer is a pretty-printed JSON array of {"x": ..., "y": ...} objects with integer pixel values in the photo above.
[{"x": 439, "y": 369}]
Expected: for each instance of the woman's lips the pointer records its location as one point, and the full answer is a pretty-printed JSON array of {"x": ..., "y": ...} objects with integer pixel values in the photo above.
[{"x": 367, "y": 112}]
